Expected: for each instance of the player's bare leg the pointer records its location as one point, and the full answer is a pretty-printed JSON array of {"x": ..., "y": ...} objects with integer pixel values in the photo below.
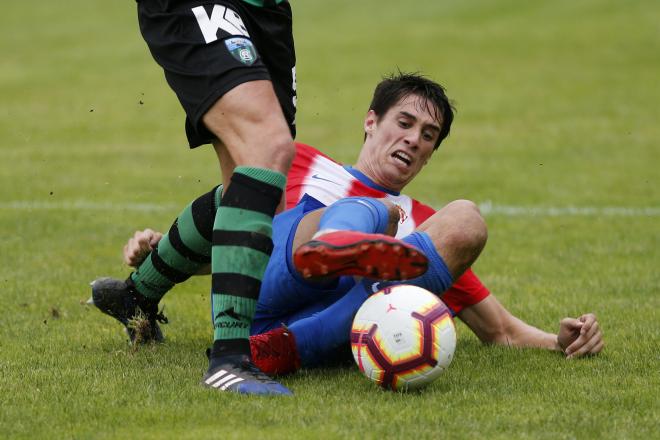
[
  {"x": 459, "y": 234},
  {"x": 251, "y": 130}
]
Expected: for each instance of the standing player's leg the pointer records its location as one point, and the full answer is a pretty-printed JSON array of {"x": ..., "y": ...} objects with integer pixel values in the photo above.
[
  {"x": 216, "y": 59},
  {"x": 253, "y": 123},
  {"x": 253, "y": 132}
]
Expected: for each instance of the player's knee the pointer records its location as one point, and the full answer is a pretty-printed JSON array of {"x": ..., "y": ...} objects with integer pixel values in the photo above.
[
  {"x": 253, "y": 138},
  {"x": 275, "y": 151},
  {"x": 468, "y": 232},
  {"x": 281, "y": 151},
  {"x": 462, "y": 206}
]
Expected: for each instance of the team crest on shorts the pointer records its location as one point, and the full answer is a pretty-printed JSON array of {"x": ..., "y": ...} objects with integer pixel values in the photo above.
[{"x": 242, "y": 49}]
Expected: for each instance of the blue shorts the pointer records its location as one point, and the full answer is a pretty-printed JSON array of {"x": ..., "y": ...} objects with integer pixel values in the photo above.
[{"x": 285, "y": 296}]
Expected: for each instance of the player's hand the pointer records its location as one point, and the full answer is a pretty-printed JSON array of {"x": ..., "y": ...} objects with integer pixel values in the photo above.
[
  {"x": 581, "y": 336},
  {"x": 140, "y": 245}
]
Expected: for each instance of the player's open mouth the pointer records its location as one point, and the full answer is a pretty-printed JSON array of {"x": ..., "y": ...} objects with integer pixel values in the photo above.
[{"x": 402, "y": 157}]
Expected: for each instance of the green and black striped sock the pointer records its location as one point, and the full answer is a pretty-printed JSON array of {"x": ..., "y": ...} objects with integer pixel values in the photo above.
[
  {"x": 183, "y": 251},
  {"x": 242, "y": 245}
]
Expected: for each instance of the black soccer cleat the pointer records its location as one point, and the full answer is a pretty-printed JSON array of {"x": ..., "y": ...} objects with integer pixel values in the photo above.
[
  {"x": 236, "y": 373},
  {"x": 120, "y": 300}
]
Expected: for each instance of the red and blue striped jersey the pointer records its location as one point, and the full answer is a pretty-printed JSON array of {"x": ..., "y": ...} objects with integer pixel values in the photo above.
[{"x": 316, "y": 174}]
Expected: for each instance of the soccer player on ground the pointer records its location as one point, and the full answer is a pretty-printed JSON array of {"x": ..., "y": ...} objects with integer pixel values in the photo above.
[
  {"x": 231, "y": 63},
  {"x": 396, "y": 159}
]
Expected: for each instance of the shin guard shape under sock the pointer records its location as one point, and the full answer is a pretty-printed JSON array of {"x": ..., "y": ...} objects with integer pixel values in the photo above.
[{"x": 242, "y": 246}]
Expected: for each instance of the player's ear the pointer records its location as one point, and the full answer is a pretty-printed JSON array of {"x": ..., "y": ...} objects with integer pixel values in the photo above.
[{"x": 370, "y": 122}]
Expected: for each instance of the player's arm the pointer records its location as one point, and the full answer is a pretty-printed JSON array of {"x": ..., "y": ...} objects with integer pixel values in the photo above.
[
  {"x": 493, "y": 324},
  {"x": 141, "y": 244}
]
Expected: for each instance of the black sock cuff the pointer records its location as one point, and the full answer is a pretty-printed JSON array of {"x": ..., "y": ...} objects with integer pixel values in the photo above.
[
  {"x": 251, "y": 194},
  {"x": 203, "y": 213}
]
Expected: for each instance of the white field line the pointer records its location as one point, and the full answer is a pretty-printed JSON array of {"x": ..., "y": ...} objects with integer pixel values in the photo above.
[
  {"x": 84, "y": 205},
  {"x": 487, "y": 208}
]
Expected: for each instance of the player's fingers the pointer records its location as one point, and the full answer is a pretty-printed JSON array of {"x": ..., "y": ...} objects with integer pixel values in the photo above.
[
  {"x": 576, "y": 345},
  {"x": 131, "y": 259},
  {"x": 139, "y": 244},
  {"x": 137, "y": 250},
  {"x": 598, "y": 348},
  {"x": 584, "y": 349},
  {"x": 155, "y": 239},
  {"x": 144, "y": 246},
  {"x": 571, "y": 323},
  {"x": 142, "y": 237},
  {"x": 590, "y": 333},
  {"x": 586, "y": 342},
  {"x": 148, "y": 234},
  {"x": 129, "y": 249},
  {"x": 126, "y": 255},
  {"x": 587, "y": 316},
  {"x": 587, "y": 320}
]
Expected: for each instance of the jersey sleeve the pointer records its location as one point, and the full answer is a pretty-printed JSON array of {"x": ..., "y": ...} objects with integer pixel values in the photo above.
[
  {"x": 303, "y": 176},
  {"x": 467, "y": 291},
  {"x": 420, "y": 212},
  {"x": 299, "y": 171}
]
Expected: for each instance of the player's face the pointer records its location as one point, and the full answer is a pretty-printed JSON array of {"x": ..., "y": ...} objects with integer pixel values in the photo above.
[{"x": 399, "y": 143}]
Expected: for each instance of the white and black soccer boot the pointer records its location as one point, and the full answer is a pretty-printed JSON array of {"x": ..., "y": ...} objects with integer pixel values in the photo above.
[
  {"x": 236, "y": 373},
  {"x": 120, "y": 300}
]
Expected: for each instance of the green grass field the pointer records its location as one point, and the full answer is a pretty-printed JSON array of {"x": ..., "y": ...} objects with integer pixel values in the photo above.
[{"x": 557, "y": 135}]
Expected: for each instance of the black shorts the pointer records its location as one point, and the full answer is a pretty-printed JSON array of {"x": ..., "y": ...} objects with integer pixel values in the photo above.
[{"x": 207, "y": 48}]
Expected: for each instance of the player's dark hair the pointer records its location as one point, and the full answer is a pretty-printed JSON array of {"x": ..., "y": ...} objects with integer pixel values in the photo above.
[{"x": 395, "y": 87}]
